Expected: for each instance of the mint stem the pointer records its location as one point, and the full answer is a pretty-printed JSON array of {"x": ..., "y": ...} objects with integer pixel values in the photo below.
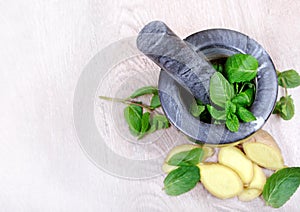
[
  {"x": 285, "y": 87},
  {"x": 125, "y": 101},
  {"x": 242, "y": 88}
]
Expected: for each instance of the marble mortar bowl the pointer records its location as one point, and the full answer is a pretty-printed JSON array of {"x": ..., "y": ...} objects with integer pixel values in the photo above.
[{"x": 214, "y": 44}]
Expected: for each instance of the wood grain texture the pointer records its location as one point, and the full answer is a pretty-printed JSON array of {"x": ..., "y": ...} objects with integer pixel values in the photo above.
[{"x": 45, "y": 45}]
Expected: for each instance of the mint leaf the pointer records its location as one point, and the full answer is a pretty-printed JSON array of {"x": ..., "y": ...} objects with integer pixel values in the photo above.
[
  {"x": 181, "y": 180},
  {"x": 216, "y": 114},
  {"x": 218, "y": 67},
  {"x": 133, "y": 131},
  {"x": 288, "y": 79},
  {"x": 230, "y": 108},
  {"x": 244, "y": 98},
  {"x": 159, "y": 122},
  {"x": 155, "y": 102},
  {"x": 138, "y": 110},
  {"x": 285, "y": 107},
  {"x": 245, "y": 115},
  {"x": 186, "y": 158},
  {"x": 161, "y": 119},
  {"x": 145, "y": 124},
  {"x": 241, "y": 99},
  {"x": 281, "y": 186},
  {"x": 196, "y": 110},
  {"x": 143, "y": 91},
  {"x": 133, "y": 117},
  {"x": 241, "y": 68},
  {"x": 250, "y": 94},
  {"x": 220, "y": 90},
  {"x": 232, "y": 122}
]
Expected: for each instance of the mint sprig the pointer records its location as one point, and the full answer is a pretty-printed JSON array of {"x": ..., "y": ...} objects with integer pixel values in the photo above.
[
  {"x": 141, "y": 123},
  {"x": 285, "y": 106}
]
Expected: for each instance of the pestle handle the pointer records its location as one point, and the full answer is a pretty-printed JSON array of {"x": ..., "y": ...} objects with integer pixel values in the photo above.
[{"x": 191, "y": 70}]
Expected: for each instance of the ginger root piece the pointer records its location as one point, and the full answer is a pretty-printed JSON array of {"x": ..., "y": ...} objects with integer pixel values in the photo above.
[
  {"x": 254, "y": 189},
  {"x": 263, "y": 137},
  {"x": 262, "y": 149},
  {"x": 220, "y": 180},
  {"x": 249, "y": 194},
  {"x": 208, "y": 152},
  {"x": 264, "y": 155},
  {"x": 235, "y": 159},
  {"x": 259, "y": 178}
]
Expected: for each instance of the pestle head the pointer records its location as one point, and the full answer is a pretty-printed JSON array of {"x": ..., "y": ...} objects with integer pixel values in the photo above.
[{"x": 190, "y": 69}]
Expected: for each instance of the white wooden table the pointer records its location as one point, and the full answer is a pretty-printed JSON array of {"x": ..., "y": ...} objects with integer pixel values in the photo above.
[{"x": 44, "y": 47}]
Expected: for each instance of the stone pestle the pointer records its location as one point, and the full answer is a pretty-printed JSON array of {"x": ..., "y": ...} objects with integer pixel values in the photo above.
[{"x": 190, "y": 69}]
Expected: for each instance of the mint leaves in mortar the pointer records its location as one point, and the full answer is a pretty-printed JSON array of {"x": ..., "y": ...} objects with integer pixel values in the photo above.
[{"x": 231, "y": 92}]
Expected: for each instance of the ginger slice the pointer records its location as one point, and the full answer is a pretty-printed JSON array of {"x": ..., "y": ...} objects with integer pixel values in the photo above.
[
  {"x": 264, "y": 155},
  {"x": 264, "y": 137},
  {"x": 235, "y": 159},
  {"x": 254, "y": 189},
  {"x": 249, "y": 194},
  {"x": 259, "y": 178},
  {"x": 220, "y": 180}
]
